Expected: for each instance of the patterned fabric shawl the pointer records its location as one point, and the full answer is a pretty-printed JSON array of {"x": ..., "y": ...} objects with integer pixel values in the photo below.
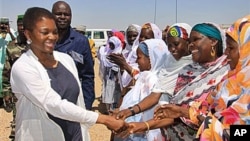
[{"x": 232, "y": 102}]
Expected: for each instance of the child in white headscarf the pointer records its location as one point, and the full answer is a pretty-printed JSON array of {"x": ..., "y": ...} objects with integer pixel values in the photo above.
[
  {"x": 110, "y": 71},
  {"x": 151, "y": 54}
]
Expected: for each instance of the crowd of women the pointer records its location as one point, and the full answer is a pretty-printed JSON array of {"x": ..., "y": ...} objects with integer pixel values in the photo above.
[
  {"x": 188, "y": 83},
  {"x": 191, "y": 84}
]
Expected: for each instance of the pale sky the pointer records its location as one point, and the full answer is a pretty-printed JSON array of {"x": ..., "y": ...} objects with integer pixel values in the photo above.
[{"x": 118, "y": 14}]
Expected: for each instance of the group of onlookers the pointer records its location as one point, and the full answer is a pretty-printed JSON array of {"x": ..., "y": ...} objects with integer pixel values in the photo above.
[
  {"x": 193, "y": 86},
  {"x": 182, "y": 83}
]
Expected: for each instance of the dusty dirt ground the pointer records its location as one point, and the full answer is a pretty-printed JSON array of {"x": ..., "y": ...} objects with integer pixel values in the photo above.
[{"x": 97, "y": 132}]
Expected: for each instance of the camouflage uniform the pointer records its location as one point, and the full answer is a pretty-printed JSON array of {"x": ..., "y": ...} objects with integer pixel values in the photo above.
[
  {"x": 6, "y": 36},
  {"x": 3, "y": 46},
  {"x": 13, "y": 52}
]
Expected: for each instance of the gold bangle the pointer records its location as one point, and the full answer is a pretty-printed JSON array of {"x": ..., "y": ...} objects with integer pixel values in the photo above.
[
  {"x": 132, "y": 72},
  {"x": 148, "y": 128}
]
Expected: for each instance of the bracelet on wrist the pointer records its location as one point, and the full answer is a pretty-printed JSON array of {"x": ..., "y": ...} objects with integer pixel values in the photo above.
[
  {"x": 148, "y": 127},
  {"x": 139, "y": 108},
  {"x": 131, "y": 110}
]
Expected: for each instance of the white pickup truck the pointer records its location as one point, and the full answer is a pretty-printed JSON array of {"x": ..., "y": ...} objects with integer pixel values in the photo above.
[{"x": 100, "y": 36}]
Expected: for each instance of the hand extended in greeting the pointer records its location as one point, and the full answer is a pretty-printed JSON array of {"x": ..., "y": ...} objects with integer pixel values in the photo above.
[
  {"x": 123, "y": 114},
  {"x": 115, "y": 125},
  {"x": 117, "y": 59},
  {"x": 167, "y": 111}
]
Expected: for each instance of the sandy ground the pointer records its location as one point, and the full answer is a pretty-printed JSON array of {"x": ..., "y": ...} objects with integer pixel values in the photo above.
[
  {"x": 97, "y": 132},
  {"x": 5, "y": 128}
]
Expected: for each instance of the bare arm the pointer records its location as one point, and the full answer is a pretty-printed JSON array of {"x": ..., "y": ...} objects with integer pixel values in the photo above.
[
  {"x": 144, "y": 105},
  {"x": 170, "y": 111}
]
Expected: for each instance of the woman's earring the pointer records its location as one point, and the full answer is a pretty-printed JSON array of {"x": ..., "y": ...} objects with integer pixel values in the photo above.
[
  {"x": 212, "y": 52},
  {"x": 29, "y": 41}
]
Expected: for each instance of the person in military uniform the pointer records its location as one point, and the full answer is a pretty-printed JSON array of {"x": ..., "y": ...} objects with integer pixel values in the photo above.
[
  {"x": 6, "y": 32},
  {"x": 13, "y": 52},
  {"x": 6, "y": 36}
]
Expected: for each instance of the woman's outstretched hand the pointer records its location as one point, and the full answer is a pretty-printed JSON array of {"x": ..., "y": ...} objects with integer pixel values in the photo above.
[
  {"x": 123, "y": 114},
  {"x": 167, "y": 111},
  {"x": 112, "y": 123}
]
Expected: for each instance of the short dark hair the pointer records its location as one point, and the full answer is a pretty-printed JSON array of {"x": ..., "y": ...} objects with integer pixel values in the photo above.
[{"x": 33, "y": 15}]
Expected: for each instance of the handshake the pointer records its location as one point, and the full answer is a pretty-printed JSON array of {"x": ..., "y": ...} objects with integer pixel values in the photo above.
[
  {"x": 164, "y": 115},
  {"x": 117, "y": 125},
  {"x": 122, "y": 129}
]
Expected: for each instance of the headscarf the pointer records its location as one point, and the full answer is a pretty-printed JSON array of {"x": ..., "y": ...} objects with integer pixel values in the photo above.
[
  {"x": 156, "y": 30},
  {"x": 181, "y": 30},
  {"x": 144, "y": 48},
  {"x": 131, "y": 59},
  {"x": 128, "y": 48},
  {"x": 168, "y": 75},
  {"x": 207, "y": 30},
  {"x": 231, "y": 102},
  {"x": 158, "y": 52},
  {"x": 121, "y": 37},
  {"x": 118, "y": 49},
  {"x": 214, "y": 32},
  {"x": 133, "y": 28}
]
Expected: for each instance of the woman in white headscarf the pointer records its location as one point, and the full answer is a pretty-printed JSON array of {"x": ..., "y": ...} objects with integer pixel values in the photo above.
[
  {"x": 151, "y": 54},
  {"x": 131, "y": 35},
  {"x": 111, "y": 87},
  {"x": 177, "y": 41}
]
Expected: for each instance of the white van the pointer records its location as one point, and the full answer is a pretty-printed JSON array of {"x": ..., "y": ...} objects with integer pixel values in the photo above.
[{"x": 100, "y": 36}]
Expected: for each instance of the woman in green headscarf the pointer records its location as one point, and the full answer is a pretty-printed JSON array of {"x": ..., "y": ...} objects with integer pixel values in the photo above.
[{"x": 194, "y": 83}]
